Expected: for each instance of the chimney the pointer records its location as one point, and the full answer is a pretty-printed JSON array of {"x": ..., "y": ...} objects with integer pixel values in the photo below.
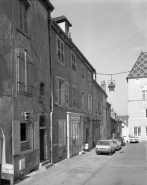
[
  {"x": 103, "y": 85},
  {"x": 64, "y": 24}
]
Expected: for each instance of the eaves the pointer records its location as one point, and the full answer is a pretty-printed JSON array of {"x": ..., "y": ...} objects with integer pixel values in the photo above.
[{"x": 68, "y": 41}]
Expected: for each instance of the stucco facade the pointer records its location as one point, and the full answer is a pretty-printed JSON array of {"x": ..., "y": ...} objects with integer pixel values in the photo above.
[
  {"x": 72, "y": 88},
  {"x": 137, "y": 99},
  {"x": 25, "y": 84}
]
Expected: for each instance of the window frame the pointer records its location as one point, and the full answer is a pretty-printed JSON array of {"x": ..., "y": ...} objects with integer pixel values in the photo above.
[
  {"x": 74, "y": 98},
  {"x": 96, "y": 106},
  {"x": 145, "y": 94},
  {"x": 63, "y": 143},
  {"x": 62, "y": 53},
  {"x": 73, "y": 62},
  {"x": 83, "y": 101},
  {"x": 89, "y": 78},
  {"x": 26, "y": 145},
  {"x": 22, "y": 11},
  {"x": 137, "y": 131},
  {"x": 89, "y": 103},
  {"x": 83, "y": 72},
  {"x": 26, "y": 72}
]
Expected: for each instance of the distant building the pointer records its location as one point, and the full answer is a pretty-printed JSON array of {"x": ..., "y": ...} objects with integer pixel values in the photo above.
[{"x": 137, "y": 98}]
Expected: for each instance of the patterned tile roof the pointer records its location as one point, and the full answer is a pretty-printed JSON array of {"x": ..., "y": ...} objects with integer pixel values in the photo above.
[{"x": 139, "y": 70}]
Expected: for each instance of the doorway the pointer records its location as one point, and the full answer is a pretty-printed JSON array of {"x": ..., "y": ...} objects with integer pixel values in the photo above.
[{"x": 42, "y": 145}]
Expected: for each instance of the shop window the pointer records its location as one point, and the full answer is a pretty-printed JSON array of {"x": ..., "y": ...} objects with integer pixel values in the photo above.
[{"x": 61, "y": 133}]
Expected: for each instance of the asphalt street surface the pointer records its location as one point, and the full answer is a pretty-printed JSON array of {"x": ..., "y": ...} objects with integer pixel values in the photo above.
[{"x": 126, "y": 167}]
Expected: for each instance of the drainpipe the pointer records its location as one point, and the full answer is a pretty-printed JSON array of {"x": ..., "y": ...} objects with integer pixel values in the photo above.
[{"x": 51, "y": 87}]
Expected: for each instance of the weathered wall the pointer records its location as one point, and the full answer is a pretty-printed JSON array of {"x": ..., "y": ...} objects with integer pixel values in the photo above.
[{"x": 5, "y": 74}]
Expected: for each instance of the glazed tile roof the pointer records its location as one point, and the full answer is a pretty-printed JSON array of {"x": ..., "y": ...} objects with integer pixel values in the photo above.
[{"x": 139, "y": 70}]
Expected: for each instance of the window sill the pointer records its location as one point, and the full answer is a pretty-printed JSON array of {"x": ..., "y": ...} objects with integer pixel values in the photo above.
[
  {"x": 24, "y": 93},
  {"x": 26, "y": 152},
  {"x": 25, "y": 34},
  {"x": 61, "y": 62}
]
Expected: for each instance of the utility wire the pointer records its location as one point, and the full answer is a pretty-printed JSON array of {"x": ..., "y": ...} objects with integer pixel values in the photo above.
[{"x": 113, "y": 73}]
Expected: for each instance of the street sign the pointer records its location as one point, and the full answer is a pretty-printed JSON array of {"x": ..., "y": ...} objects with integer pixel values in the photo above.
[{"x": 8, "y": 168}]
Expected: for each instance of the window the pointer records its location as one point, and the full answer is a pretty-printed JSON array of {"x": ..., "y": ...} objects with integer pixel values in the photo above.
[
  {"x": 96, "y": 106},
  {"x": 100, "y": 108},
  {"x": 89, "y": 103},
  {"x": 22, "y": 15},
  {"x": 61, "y": 92},
  {"x": 25, "y": 143},
  {"x": 89, "y": 78},
  {"x": 83, "y": 98},
  {"x": 82, "y": 72},
  {"x": 137, "y": 131},
  {"x": 61, "y": 133},
  {"x": 42, "y": 89},
  {"x": 60, "y": 51},
  {"x": 42, "y": 121},
  {"x": 73, "y": 62},
  {"x": 74, "y": 96},
  {"x": 24, "y": 72},
  {"x": 144, "y": 94}
]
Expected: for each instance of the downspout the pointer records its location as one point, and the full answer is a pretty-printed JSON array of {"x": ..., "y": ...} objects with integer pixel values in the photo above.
[{"x": 51, "y": 88}]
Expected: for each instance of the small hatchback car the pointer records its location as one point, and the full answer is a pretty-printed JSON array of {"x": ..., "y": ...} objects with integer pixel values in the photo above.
[
  {"x": 105, "y": 146},
  {"x": 134, "y": 139},
  {"x": 117, "y": 144}
]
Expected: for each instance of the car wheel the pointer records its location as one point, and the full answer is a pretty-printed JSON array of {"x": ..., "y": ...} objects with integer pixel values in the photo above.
[
  {"x": 110, "y": 153},
  {"x": 97, "y": 153}
]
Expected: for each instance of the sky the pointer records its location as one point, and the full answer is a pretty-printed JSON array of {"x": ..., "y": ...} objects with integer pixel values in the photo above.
[{"x": 111, "y": 34}]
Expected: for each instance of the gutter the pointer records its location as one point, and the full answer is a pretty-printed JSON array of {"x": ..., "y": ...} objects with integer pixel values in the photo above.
[{"x": 51, "y": 88}]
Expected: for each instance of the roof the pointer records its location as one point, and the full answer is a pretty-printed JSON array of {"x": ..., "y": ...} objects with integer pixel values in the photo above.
[
  {"x": 61, "y": 19},
  {"x": 57, "y": 27},
  {"x": 139, "y": 70}
]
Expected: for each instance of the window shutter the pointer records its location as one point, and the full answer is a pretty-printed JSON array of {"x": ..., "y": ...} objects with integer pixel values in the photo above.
[
  {"x": 36, "y": 135},
  {"x": 21, "y": 70},
  {"x": 56, "y": 99},
  {"x": 16, "y": 138},
  {"x": 30, "y": 75},
  {"x": 85, "y": 102},
  {"x": 67, "y": 94}
]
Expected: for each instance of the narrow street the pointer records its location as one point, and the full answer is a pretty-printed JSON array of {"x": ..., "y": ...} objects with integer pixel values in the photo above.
[{"x": 127, "y": 166}]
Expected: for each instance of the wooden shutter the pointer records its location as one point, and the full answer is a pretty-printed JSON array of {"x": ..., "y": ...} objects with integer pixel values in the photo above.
[
  {"x": 16, "y": 138},
  {"x": 21, "y": 70},
  {"x": 67, "y": 94},
  {"x": 30, "y": 75},
  {"x": 56, "y": 90},
  {"x": 60, "y": 133},
  {"x": 85, "y": 99},
  {"x": 36, "y": 135}
]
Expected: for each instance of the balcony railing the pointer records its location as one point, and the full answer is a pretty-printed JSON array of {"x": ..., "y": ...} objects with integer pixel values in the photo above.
[{"x": 25, "y": 145}]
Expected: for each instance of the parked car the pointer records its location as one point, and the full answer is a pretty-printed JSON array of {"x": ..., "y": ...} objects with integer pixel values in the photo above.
[
  {"x": 121, "y": 139},
  {"x": 117, "y": 144},
  {"x": 126, "y": 138},
  {"x": 105, "y": 146},
  {"x": 134, "y": 139}
]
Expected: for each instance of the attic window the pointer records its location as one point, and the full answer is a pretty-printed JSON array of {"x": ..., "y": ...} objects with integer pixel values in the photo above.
[{"x": 42, "y": 88}]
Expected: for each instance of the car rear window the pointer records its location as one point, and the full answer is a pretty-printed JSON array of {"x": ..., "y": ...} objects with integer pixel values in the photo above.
[{"x": 103, "y": 143}]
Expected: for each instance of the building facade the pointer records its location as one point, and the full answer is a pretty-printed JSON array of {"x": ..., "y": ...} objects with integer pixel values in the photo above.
[
  {"x": 97, "y": 112},
  {"x": 137, "y": 98},
  {"x": 72, "y": 77},
  {"x": 25, "y": 84}
]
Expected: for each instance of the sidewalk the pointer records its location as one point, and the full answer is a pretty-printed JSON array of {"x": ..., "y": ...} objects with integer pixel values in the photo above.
[{"x": 54, "y": 170}]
